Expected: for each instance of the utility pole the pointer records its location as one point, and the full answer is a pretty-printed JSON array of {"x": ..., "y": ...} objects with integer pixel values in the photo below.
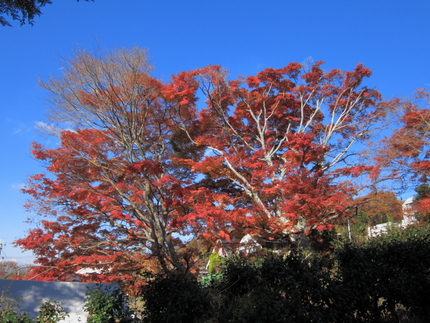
[{"x": 1, "y": 248}]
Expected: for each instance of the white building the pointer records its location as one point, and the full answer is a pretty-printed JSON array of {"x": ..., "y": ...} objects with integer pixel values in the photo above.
[{"x": 408, "y": 218}]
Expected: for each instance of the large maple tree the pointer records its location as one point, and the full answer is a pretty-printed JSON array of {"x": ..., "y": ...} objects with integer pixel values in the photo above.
[{"x": 144, "y": 167}]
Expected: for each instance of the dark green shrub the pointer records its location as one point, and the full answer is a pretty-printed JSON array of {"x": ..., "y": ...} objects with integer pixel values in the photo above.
[
  {"x": 275, "y": 289},
  {"x": 388, "y": 272},
  {"x": 175, "y": 298}
]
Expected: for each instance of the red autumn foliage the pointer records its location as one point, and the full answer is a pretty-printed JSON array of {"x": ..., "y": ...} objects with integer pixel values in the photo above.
[
  {"x": 276, "y": 142},
  {"x": 147, "y": 167},
  {"x": 406, "y": 152}
]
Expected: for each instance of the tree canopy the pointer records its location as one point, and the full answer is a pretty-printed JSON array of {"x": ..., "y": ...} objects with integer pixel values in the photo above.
[
  {"x": 145, "y": 166},
  {"x": 22, "y": 10}
]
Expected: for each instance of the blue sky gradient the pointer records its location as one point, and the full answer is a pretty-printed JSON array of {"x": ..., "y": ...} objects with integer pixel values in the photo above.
[{"x": 390, "y": 37}]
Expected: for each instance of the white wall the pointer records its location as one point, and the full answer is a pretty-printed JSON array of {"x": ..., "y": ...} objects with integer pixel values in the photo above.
[{"x": 33, "y": 293}]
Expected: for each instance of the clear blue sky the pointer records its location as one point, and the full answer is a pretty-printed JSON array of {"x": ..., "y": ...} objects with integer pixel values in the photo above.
[{"x": 391, "y": 37}]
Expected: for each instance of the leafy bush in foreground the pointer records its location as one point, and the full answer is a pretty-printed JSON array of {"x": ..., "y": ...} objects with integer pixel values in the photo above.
[
  {"x": 383, "y": 280},
  {"x": 10, "y": 311},
  {"x": 106, "y": 304},
  {"x": 388, "y": 272},
  {"x": 291, "y": 289}
]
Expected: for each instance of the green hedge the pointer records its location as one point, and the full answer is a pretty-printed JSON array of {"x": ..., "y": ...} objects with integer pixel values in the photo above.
[
  {"x": 389, "y": 272},
  {"x": 384, "y": 280}
]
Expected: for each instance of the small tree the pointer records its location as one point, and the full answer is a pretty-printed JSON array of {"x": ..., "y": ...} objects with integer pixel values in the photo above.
[{"x": 106, "y": 304}]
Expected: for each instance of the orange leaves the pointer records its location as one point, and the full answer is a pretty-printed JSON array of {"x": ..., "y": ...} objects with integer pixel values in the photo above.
[
  {"x": 252, "y": 81},
  {"x": 38, "y": 151},
  {"x": 407, "y": 149},
  {"x": 417, "y": 120},
  {"x": 356, "y": 170},
  {"x": 354, "y": 79},
  {"x": 145, "y": 166},
  {"x": 116, "y": 214},
  {"x": 315, "y": 75},
  {"x": 379, "y": 206},
  {"x": 224, "y": 236},
  {"x": 210, "y": 165},
  {"x": 181, "y": 89},
  {"x": 292, "y": 70}
]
